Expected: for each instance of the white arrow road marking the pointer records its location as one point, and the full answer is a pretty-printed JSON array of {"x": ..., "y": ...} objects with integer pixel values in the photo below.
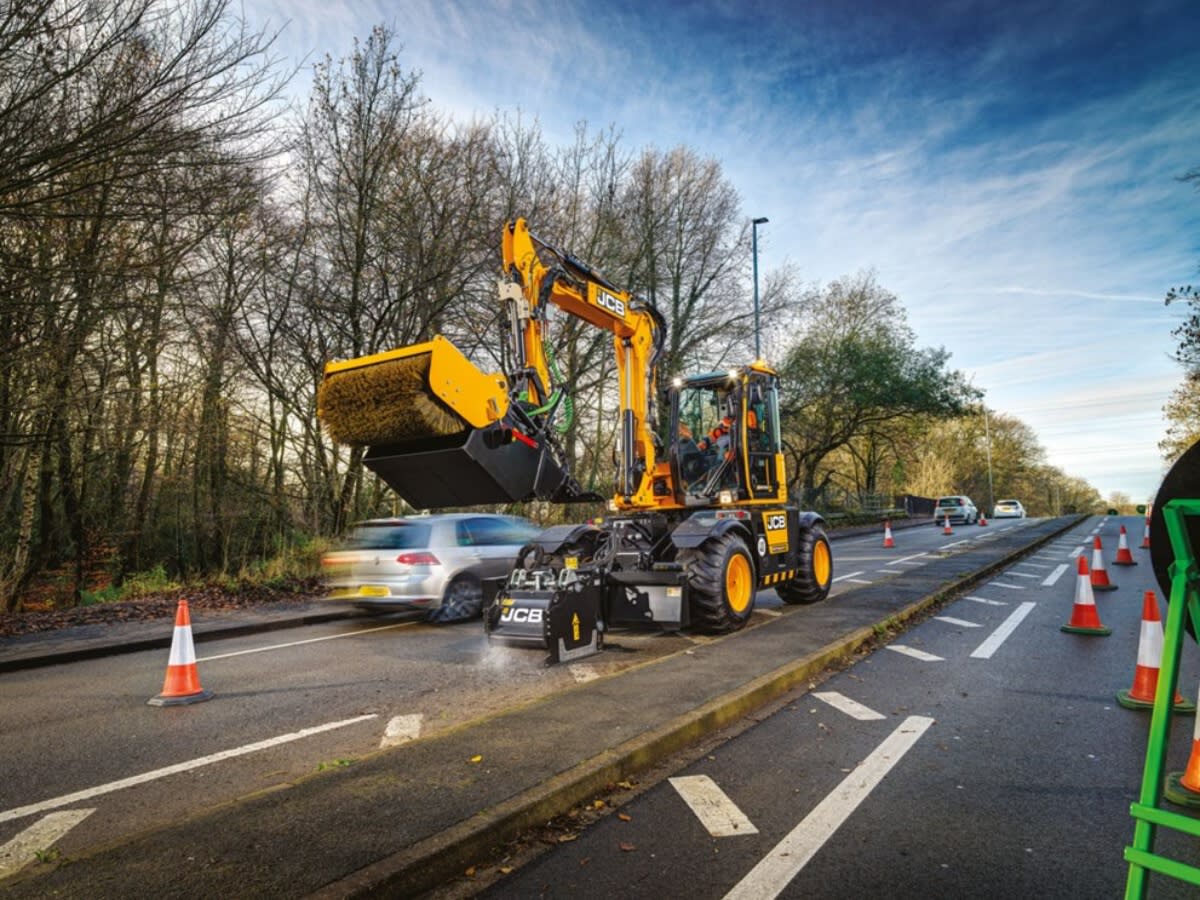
[
  {"x": 776, "y": 870},
  {"x": 89, "y": 793},
  {"x": 401, "y": 729},
  {"x": 716, "y": 812},
  {"x": 847, "y": 575},
  {"x": 1001, "y": 634},
  {"x": 329, "y": 637},
  {"x": 914, "y": 653},
  {"x": 1055, "y": 575},
  {"x": 961, "y": 623},
  {"x": 852, "y": 708},
  {"x": 43, "y": 834},
  {"x": 986, "y": 601}
]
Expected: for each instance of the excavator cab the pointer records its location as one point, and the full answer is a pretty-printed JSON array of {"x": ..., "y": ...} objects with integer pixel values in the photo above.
[{"x": 726, "y": 444}]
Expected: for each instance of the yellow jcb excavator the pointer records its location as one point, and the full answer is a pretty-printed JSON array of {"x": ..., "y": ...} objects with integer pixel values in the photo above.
[{"x": 700, "y": 518}]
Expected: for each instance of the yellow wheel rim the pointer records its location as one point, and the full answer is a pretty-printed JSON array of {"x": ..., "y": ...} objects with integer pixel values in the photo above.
[
  {"x": 822, "y": 563},
  {"x": 739, "y": 589}
]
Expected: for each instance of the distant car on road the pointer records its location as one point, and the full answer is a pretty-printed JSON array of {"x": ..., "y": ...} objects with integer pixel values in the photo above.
[
  {"x": 960, "y": 509},
  {"x": 435, "y": 563},
  {"x": 1008, "y": 509}
]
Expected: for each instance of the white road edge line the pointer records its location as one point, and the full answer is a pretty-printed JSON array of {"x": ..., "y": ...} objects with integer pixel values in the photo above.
[
  {"x": 1001, "y": 634},
  {"x": 776, "y": 870},
  {"x": 132, "y": 781},
  {"x": 1055, "y": 575},
  {"x": 44, "y": 833},
  {"x": 852, "y": 708},
  {"x": 328, "y": 637},
  {"x": 847, "y": 575},
  {"x": 718, "y": 814}
]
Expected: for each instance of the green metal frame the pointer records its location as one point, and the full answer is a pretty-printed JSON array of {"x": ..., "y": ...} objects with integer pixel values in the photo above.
[{"x": 1184, "y": 601}]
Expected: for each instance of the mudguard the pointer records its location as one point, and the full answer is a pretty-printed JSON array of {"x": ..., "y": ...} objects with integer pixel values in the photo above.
[
  {"x": 695, "y": 531},
  {"x": 556, "y": 537}
]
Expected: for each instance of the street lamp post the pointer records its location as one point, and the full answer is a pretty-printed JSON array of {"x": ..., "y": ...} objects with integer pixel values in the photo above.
[{"x": 754, "y": 223}]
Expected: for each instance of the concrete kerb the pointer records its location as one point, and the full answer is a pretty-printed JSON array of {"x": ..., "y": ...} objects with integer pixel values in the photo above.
[{"x": 431, "y": 862}]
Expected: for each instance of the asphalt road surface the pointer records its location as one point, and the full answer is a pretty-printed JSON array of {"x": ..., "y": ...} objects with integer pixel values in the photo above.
[{"x": 980, "y": 754}]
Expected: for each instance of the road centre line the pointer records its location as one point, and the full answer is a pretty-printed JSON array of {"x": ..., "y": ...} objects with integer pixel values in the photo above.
[
  {"x": 852, "y": 708},
  {"x": 718, "y": 814},
  {"x": 846, "y": 576},
  {"x": 1001, "y": 634},
  {"x": 328, "y": 637},
  {"x": 38, "y": 837},
  {"x": 1055, "y": 575},
  {"x": 776, "y": 870},
  {"x": 154, "y": 775},
  {"x": 962, "y": 623}
]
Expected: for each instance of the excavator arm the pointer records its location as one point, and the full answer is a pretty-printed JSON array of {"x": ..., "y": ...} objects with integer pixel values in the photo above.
[{"x": 442, "y": 433}]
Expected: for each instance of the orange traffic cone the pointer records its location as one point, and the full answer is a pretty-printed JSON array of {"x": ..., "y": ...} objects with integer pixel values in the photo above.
[
  {"x": 1100, "y": 580},
  {"x": 888, "y": 543},
  {"x": 1124, "y": 557},
  {"x": 1146, "y": 536},
  {"x": 1084, "y": 618},
  {"x": 947, "y": 529},
  {"x": 1149, "y": 661},
  {"x": 982, "y": 519},
  {"x": 182, "y": 684},
  {"x": 1183, "y": 787}
]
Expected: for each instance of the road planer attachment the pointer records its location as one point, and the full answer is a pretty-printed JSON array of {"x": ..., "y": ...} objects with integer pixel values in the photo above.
[{"x": 439, "y": 431}]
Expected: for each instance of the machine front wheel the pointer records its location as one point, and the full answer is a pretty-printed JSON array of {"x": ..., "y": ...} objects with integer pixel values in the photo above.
[{"x": 721, "y": 583}]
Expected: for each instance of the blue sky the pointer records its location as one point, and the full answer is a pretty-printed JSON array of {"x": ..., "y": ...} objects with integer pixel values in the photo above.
[{"x": 1009, "y": 170}]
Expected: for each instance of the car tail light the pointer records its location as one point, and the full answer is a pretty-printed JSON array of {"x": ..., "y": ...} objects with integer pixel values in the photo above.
[{"x": 417, "y": 559}]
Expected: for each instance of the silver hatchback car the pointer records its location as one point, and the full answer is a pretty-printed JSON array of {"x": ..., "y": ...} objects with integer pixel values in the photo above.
[
  {"x": 435, "y": 563},
  {"x": 959, "y": 509}
]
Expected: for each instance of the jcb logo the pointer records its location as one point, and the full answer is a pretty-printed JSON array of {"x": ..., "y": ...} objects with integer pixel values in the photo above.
[
  {"x": 776, "y": 526},
  {"x": 533, "y": 616},
  {"x": 611, "y": 303}
]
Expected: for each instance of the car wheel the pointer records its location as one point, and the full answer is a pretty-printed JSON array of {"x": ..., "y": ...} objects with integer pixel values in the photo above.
[{"x": 463, "y": 599}]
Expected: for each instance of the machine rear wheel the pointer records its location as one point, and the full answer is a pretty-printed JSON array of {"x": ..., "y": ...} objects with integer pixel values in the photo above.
[
  {"x": 815, "y": 575},
  {"x": 721, "y": 582}
]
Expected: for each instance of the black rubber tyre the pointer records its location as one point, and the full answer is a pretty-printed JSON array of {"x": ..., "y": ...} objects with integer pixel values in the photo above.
[
  {"x": 721, "y": 584},
  {"x": 462, "y": 600},
  {"x": 815, "y": 575}
]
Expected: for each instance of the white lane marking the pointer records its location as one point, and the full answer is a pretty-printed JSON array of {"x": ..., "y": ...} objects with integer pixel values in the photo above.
[
  {"x": 1055, "y": 575},
  {"x": 962, "y": 623},
  {"x": 328, "y": 637},
  {"x": 1034, "y": 565},
  {"x": 891, "y": 571},
  {"x": 89, "y": 793},
  {"x": 986, "y": 601},
  {"x": 1001, "y": 634},
  {"x": 766, "y": 611},
  {"x": 948, "y": 546},
  {"x": 716, "y": 812},
  {"x": 582, "y": 672},
  {"x": 1011, "y": 587},
  {"x": 852, "y": 708},
  {"x": 401, "y": 730},
  {"x": 914, "y": 653},
  {"x": 848, "y": 575},
  {"x": 859, "y": 581},
  {"x": 776, "y": 870},
  {"x": 1076, "y": 551},
  {"x": 1045, "y": 556},
  {"x": 914, "y": 556},
  {"x": 41, "y": 835},
  {"x": 1021, "y": 575}
]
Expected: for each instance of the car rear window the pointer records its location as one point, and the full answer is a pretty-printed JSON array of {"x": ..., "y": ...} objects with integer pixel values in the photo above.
[
  {"x": 950, "y": 501},
  {"x": 392, "y": 536}
]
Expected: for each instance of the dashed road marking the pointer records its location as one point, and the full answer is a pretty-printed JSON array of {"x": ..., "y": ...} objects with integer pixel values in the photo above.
[
  {"x": 852, "y": 708},
  {"x": 1011, "y": 587},
  {"x": 915, "y": 653},
  {"x": 962, "y": 623},
  {"x": 986, "y": 601},
  {"x": 765, "y": 610},
  {"x": 401, "y": 730},
  {"x": 45, "y": 833},
  {"x": 891, "y": 571},
  {"x": 1055, "y": 575},
  {"x": 776, "y": 870},
  {"x": 1078, "y": 550},
  {"x": 1001, "y": 634},
  {"x": 859, "y": 581},
  {"x": 86, "y": 794},
  {"x": 1030, "y": 565},
  {"x": 328, "y": 637},
  {"x": 1021, "y": 575},
  {"x": 914, "y": 556},
  {"x": 849, "y": 576},
  {"x": 717, "y": 813}
]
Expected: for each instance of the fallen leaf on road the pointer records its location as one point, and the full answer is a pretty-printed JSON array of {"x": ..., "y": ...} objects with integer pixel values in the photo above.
[
  {"x": 624, "y": 818},
  {"x": 470, "y": 873},
  {"x": 598, "y": 804},
  {"x": 506, "y": 870},
  {"x": 476, "y": 759},
  {"x": 626, "y": 846},
  {"x": 565, "y": 838}
]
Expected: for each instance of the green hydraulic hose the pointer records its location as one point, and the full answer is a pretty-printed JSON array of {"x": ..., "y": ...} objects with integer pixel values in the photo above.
[{"x": 567, "y": 402}]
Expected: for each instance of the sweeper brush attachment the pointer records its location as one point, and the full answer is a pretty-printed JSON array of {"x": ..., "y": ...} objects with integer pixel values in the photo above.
[{"x": 439, "y": 431}]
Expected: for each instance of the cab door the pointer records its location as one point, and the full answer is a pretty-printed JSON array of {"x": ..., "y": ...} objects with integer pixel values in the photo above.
[{"x": 762, "y": 438}]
